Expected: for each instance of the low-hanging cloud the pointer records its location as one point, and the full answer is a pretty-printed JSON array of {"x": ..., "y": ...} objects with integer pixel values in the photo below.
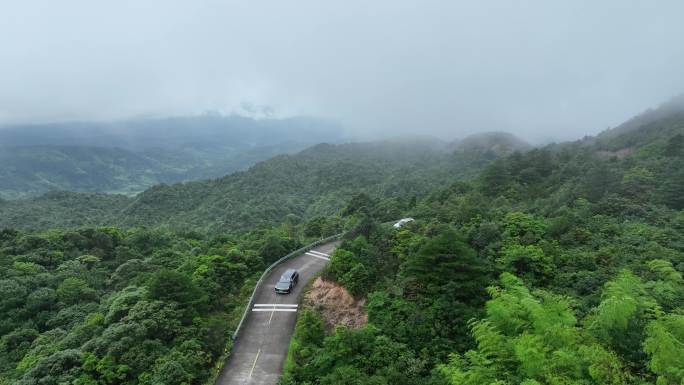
[{"x": 541, "y": 69}]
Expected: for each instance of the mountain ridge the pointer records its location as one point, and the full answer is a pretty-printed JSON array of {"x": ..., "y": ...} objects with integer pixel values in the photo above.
[
  {"x": 314, "y": 181},
  {"x": 319, "y": 179},
  {"x": 129, "y": 156}
]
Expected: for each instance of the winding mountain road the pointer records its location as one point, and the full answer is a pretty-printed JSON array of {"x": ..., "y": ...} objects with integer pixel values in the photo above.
[{"x": 261, "y": 347}]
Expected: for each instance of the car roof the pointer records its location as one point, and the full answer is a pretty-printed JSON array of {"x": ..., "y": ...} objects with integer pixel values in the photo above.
[{"x": 289, "y": 271}]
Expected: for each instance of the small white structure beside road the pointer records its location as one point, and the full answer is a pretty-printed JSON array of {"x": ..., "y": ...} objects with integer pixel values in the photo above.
[{"x": 402, "y": 222}]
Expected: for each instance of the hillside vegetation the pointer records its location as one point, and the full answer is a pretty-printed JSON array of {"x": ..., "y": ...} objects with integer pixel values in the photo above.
[
  {"x": 561, "y": 265},
  {"x": 315, "y": 182}
]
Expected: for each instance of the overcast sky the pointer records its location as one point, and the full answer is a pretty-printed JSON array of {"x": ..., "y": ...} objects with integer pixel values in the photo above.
[{"x": 542, "y": 69}]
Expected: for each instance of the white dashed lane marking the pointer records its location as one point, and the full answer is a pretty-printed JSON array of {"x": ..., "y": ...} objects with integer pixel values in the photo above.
[
  {"x": 319, "y": 253},
  {"x": 275, "y": 307},
  {"x": 317, "y": 256}
]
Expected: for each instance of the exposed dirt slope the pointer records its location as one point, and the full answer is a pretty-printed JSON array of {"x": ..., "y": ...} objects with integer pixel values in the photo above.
[{"x": 338, "y": 307}]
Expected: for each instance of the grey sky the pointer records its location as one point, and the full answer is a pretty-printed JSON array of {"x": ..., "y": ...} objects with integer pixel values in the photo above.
[{"x": 541, "y": 69}]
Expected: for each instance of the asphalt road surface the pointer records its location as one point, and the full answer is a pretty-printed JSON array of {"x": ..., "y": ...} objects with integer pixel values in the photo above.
[{"x": 260, "y": 349}]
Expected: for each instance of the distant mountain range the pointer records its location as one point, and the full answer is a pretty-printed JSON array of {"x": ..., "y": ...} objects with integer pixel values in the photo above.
[
  {"x": 129, "y": 156},
  {"x": 317, "y": 181}
]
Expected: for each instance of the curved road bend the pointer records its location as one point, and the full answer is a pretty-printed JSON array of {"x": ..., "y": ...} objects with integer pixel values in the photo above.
[{"x": 260, "y": 349}]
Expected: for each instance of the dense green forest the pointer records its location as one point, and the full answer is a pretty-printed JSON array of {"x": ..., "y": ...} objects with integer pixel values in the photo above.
[
  {"x": 311, "y": 183},
  {"x": 562, "y": 265},
  {"x": 139, "y": 306}
]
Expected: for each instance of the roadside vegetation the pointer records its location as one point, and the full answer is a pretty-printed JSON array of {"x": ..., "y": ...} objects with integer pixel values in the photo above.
[{"x": 112, "y": 306}]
